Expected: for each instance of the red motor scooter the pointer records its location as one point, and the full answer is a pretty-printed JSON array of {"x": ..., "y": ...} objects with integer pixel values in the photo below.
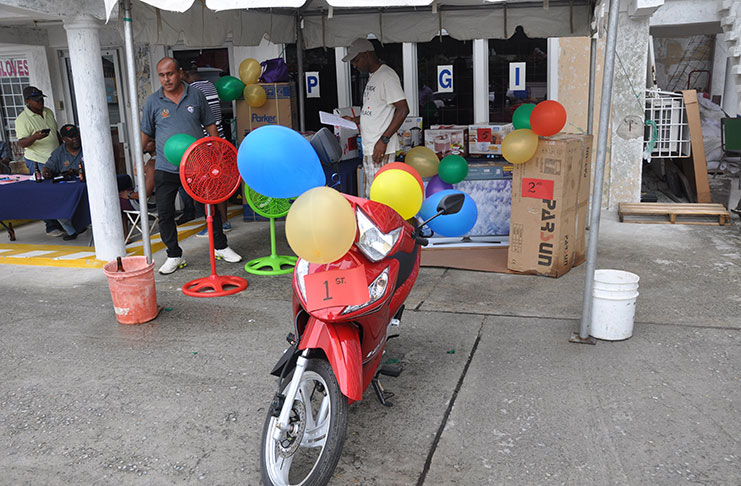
[{"x": 336, "y": 347}]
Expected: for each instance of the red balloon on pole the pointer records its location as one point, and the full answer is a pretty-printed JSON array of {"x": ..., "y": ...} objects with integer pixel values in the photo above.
[
  {"x": 406, "y": 168},
  {"x": 548, "y": 118}
]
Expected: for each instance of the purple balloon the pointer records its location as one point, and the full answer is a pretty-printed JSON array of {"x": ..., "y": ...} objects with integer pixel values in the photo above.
[{"x": 436, "y": 185}]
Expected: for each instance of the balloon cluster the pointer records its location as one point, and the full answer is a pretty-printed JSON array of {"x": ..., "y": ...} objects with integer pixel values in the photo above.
[
  {"x": 399, "y": 185},
  {"x": 230, "y": 88},
  {"x": 547, "y": 118}
]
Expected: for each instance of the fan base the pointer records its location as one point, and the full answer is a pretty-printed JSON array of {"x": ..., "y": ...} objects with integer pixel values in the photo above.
[
  {"x": 214, "y": 286},
  {"x": 275, "y": 262}
]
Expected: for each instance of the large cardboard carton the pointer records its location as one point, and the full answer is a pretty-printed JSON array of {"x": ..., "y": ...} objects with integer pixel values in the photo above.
[
  {"x": 549, "y": 207},
  {"x": 348, "y": 137},
  {"x": 410, "y": 134},
  {"x": 279, "y": 109},
  {"x": 487, "y": 139},
  {"x": 447, "y": 139}
]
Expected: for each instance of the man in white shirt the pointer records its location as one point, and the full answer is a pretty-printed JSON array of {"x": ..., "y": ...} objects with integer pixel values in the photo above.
[{"x": 383, "y": 111}]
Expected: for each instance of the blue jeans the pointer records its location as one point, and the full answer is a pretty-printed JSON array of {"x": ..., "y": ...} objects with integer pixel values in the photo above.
[
  {"x": 67, "y": 226},
  {"x": 51, "y": 224}
]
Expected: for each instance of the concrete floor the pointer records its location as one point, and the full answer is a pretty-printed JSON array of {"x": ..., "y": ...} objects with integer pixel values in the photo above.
[{"x": 492, "y": 391}]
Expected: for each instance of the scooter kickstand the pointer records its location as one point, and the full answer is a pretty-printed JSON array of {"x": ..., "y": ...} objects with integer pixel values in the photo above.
[{"x": 382, "y": 395}]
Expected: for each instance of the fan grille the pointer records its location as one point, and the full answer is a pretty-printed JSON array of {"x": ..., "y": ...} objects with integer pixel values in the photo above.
[
  {"x": 209, "y": 171},
  {"x": 267, "y": 207}
]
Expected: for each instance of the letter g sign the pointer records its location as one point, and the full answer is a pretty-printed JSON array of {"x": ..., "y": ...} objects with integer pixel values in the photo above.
[{"x": 445, "y": 79}]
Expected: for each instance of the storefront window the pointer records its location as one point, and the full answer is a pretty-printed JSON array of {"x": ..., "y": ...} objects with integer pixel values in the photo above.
[
  {"x": 13, "y": 78},
  {"x": 518, "y": 48},
  {"x": 389, "y": 54},
  {"x": 322, "y": 61},
  {"x": 445, "y": 108}
]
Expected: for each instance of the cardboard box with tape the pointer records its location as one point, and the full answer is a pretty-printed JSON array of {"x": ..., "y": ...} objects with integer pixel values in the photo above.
[
  {"x": 550, "y": 195},
  {"x": 279, "y": 109}
]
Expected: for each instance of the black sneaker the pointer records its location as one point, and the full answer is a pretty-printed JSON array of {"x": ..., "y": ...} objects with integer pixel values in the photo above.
[{"x": 70, "y": 237}]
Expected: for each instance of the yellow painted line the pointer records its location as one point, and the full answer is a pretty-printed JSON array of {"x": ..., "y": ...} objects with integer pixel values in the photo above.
[{"x": 84, "y": 256}]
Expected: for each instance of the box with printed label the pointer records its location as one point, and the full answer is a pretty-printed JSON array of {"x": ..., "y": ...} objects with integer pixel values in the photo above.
[
  {"x": 279, "y": 109},
  {"x": 348, "y": 137},
  {"x": 487, "y": 139},
  {"x": 447, "y": 139},
  {"x": 549, "y": 207},
  {"x": 410, "y": 134}
]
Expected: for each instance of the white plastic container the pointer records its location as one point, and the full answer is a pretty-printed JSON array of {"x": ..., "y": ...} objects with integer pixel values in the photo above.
[{"x": 613, "y": 304}]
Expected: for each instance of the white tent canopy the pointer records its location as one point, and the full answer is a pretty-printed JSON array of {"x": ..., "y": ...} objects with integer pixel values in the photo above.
[{"x": 166, "y": 21}]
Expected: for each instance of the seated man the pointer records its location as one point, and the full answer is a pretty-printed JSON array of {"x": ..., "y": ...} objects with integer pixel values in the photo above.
[
  {"x": 5, "y": 158},
  {"x": 129, "y": 196},
  {"x": 66, "y": 160}
]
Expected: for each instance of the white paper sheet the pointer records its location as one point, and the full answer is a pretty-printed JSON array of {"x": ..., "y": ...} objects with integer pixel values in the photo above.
[{"x": 337, "y": 121}]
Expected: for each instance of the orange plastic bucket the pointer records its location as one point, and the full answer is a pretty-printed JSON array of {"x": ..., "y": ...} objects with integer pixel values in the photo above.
[{"x": 133, "y": 292}]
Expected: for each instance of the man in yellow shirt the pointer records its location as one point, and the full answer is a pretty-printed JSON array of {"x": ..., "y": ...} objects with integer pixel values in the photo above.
[{"x": 36, "y": 129}]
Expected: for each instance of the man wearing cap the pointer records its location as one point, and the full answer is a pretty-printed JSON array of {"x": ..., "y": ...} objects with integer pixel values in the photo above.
[
  {"x": 36, "y": 129},
  {"x": 173, "y": 109},
  {"x": 66, "y": 159},
  {"x": 383, "y": 111}
]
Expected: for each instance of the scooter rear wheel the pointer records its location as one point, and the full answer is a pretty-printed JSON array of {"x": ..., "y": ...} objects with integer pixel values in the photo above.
[{"x": 309, "y": 452}]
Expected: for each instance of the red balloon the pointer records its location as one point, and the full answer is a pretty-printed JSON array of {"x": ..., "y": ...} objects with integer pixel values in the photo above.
[
  {"x": 406, "y": 168},
  {"x": 548, "y": 118}
]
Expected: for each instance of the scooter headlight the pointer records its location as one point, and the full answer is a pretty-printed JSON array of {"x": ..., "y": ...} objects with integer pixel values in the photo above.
[
  {"x": 376, "y": 290},
  {"x": 302, "y": 268},
  {"x": 374, "y": 243}
]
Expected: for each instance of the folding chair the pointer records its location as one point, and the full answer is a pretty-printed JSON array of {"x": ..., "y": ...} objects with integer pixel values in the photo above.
[{"x": 134, "y": 218}]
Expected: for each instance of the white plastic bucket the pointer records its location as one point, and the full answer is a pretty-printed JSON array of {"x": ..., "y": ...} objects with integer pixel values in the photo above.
[{"x": 613, "y": 304}]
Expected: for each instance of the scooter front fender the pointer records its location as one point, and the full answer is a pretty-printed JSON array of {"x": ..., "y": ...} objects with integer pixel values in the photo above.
[{"x": 341, "y": 344}]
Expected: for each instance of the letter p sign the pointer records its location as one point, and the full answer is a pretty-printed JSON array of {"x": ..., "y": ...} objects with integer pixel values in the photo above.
[
  {"x": 445, "y": 79},
  {"x": 312, "y": 84}
]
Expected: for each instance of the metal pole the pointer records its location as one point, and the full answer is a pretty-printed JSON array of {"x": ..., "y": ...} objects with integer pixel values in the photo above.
[
  {"x": 599, "y": 172},
  {"x": 136, "y": 138},
  {"x": 300, "y": 81}
]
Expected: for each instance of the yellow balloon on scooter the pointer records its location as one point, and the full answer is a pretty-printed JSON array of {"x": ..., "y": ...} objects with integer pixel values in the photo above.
[{"x": 398, "y": 189}]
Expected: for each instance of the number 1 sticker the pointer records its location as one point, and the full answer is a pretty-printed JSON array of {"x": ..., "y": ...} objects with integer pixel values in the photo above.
[{"x": 336, "y": 288}]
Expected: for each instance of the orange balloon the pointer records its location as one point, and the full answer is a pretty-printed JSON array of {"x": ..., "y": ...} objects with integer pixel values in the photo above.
[
  {"x": 405, "y": 168},
  {"x": 548, "y": 118}
]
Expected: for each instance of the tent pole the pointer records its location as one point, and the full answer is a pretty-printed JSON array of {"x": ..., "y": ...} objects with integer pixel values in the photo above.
[
  {"x": 592, "y": 64},
  {"x": 300, "y": 80},
  {"x": 136, "y": 138},
  {"x": 599, "y": 174}
]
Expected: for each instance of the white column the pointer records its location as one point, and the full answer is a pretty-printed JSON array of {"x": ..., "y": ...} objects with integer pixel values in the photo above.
[
  {"x": 411, "y": 76},
  {"x": 92, "y": 109},
  {"x": 481, "y": 80},
  {"x": 554, "y": 53},
  {"x": 344, "y": 89}
]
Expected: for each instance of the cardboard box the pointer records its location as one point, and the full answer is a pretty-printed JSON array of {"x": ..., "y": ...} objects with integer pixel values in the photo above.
[
  {"x": 487, "y": 139},
  {"x": 549, "y": 207},
  {"x": 447, "y": 139},
  {"x": 279, "y": 109},
  {"x": 348, "y": 137},
  {"x": 410, "y": 134}
]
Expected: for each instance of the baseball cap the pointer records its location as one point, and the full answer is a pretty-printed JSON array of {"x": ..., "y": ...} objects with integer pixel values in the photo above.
[
  {"x": 358, "y": 45},
  {"x": 32, "y": 92},
  {"x": 69, "y": 131}
]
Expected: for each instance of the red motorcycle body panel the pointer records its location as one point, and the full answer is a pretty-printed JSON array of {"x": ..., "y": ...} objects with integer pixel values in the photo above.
[{"x": 341, "y": 344}]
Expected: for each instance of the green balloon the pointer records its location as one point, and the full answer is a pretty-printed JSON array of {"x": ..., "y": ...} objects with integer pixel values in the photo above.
[
  {"x": 453, "y": 169},
  {"x": 521, "y": 116},
  {"x": 229, "y": 88},
  {"x": 176, "y": 146}
]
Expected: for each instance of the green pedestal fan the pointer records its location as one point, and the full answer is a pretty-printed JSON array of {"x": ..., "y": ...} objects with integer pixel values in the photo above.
[{"x": 269, "y": 207}]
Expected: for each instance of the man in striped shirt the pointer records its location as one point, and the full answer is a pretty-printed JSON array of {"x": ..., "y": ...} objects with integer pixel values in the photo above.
[{"x": 192, "y": 77}]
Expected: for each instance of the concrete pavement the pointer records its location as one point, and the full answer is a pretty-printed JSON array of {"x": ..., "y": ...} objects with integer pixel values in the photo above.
[{"x": 492, "y": 392}]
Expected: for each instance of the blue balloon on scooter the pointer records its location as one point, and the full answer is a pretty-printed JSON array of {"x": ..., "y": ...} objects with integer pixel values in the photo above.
[
  {"x": 276, "y": 161},
  {"x": 457, "y": 224}
]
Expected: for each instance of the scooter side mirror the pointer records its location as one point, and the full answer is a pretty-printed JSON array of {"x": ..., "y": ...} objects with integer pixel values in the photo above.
[{"x": 451, "y": 204}]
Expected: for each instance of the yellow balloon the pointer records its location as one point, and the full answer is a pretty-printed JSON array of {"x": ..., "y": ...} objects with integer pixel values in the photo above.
[
  {"x": 424, "y": 160},
  {"x": 255, "y": 95},
  {"x": 399, "y": 190},
  {"x": 321, "y": 226},
  {"x": 519, "y": 146},
  {"x": 249, "y": 71}
]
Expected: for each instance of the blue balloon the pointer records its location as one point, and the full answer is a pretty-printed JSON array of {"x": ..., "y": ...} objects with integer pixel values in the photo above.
[
  {"x": 276, "y": 161},
  {"x": 457, "y": 224}
]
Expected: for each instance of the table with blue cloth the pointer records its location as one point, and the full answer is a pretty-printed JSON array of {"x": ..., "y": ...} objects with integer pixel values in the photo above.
[{"x": 45, "y": 200}]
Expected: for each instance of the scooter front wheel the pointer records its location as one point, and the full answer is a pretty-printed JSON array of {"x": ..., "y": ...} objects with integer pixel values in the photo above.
[{"x": 307, "y": 453}]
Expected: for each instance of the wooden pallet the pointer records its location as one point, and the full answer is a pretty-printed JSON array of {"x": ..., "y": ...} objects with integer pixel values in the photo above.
[{"x": 668, "y": 213}]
